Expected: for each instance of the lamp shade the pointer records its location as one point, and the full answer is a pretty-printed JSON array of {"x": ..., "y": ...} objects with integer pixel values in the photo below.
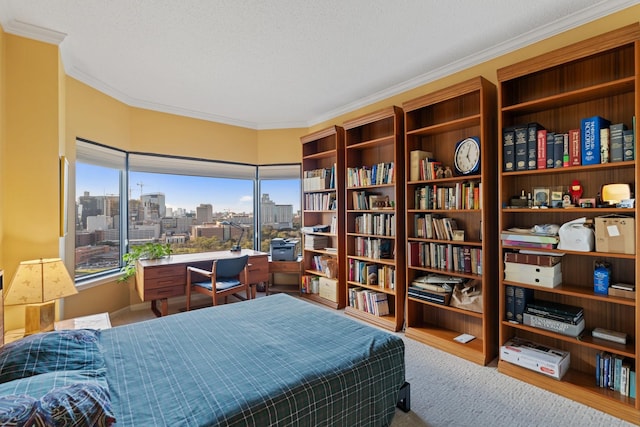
[{"x": 39, "y": 281}]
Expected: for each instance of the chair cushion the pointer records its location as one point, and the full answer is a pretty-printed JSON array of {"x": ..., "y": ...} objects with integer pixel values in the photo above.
[{"x": 221, "y": 284}]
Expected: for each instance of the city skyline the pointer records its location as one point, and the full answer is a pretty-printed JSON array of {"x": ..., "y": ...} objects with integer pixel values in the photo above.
[{"x": 188, "y": 192}]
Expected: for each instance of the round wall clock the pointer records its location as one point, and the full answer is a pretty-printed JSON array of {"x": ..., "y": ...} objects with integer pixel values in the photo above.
[{"x": 466, "y": 159}]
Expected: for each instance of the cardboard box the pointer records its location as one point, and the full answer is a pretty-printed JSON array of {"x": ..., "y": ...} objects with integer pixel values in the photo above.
[
  {"x": 548, "y": 277},
  {"x": 543, "y": 260},
  {"x": 622, "y": 293},
  {"x": 615, "y": 234},
  {"x": 545, "y": 360},
  {"x": 328, "y": 289}
]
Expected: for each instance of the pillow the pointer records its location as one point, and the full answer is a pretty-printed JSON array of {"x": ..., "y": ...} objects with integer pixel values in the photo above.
[
  {"x": 51, "y": 351},
  {"x": 39, "y": 385},
  {"x": 79, "y": 404}
]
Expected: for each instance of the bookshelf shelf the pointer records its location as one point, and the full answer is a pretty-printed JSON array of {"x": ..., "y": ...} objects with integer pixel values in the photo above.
[
  {"x": 324, "y": 150},
  {"x": 374, "y": 154},
  {"x": 434, "y": 124},
  {"x": 596, "y": 77}
]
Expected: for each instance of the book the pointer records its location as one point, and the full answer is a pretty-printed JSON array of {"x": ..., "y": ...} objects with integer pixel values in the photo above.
[
  {"x": 550, "y": 149},
  {"x": 575, "y": 158},
  {"x": 508, "y": 150},
  {"x": 542, "y": 149},
  {"x": 553, "y": 325},
  {"x": 590, "y": 138},
  {"x": 616, "y": 138},
  {"x": 510, "y": 303},
  {"x": 632, "y": 384},
  {"x": 565, "y": 150},
  {"x": 606, "y": 334},
  {"x": 532, "y": 145},
  {"x": 528, "y": 237},
  {"x": 522, "y": 297},
  {"x": 570, "y": 312},
  {"x": 520, "y": 147},
  {"x": 558, "y": 150},
  {"x": 415, "y": 158},
  {"x": 604, "y": 145},
  {"x": 628, "y": 145},
  {"x": 434, "y": 297},
  {"x": 624, "y": 379},
  {"x": 521, "y": 244}
]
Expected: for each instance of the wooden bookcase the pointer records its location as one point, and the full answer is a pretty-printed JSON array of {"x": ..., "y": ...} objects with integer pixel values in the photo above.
[
  {"x": 374, "y": 148},
  {"x": 598, "y": 76},
  {"x": 435, "y": 123},
  {"x": 323, "y": 204}
]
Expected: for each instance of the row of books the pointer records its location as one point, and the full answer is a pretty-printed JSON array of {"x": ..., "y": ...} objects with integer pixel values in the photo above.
[
  {"x": 378, "y": 224},
  {"x": 529, "y": 240},
  {"x": 370, "y": 301},
  {"x": 429, "y": 226},
  {"x": 419, "y": 165},
  {"x": 320, "y": 202},
  {"x": 368, "y": 273},
  {"x": 531, "y": 146},
  {"x": 418, "y": 292},
  {"x": 445, "y": 256},
  {"x": 435, "y": 288},
  {"x": 378, "y": 174},
  {"x": 312, "y": 241},
  {"x": 461, "y": 195},
  {"x": 319, "y": 179},
  {"x": 373, "y": 248},
  {"x": 615, "y": 373}
]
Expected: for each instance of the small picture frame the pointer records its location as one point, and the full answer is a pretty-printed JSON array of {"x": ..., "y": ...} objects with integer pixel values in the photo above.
[
  {"x": 541, "y": 196},
  {"x": 378, "y": 202},
  {"x": 556, "y": 198}
]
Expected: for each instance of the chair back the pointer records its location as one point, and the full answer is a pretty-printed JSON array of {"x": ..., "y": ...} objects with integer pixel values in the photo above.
[{"x": 230, "y": 267}]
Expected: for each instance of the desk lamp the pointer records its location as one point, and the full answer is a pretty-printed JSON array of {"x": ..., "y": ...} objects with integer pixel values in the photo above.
[
  {"x": 38, "y": 284},
  {"x": 236, "y": 247}
]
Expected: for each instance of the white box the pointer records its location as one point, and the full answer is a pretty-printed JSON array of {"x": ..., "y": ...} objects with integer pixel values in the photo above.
[
  {"x": 548, "y": 277},
  {"x": 545, "y": 360},
  {"x": 328, "y": 289}
]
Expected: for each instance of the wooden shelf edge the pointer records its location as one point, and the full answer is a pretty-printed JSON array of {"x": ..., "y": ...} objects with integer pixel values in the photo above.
[
  {"x": 387, "y": 322},
  {"x": 443, "y": 340}
]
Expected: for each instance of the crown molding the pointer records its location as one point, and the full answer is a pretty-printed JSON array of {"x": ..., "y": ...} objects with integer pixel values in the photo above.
[{"x": 34, "y": 32}]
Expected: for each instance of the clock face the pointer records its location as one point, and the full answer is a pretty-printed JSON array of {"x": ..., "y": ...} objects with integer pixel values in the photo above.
[{"x": 467, "y": 156}]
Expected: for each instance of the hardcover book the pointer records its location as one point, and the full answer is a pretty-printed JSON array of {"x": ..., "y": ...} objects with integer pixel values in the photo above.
[
  {"x": 616, "y": 152},
  {"x": 575, "y": 157},
  {"x": 558, "y": 150},
  {"x": 542, "y": 149},
  {"x": 522, "y": 297},
  {"x": 590, "y": 138},
  {"x": 520, "y": 146},
  {"x": 510, "y": 303},
  {"x": 532, "y": 145},
  {"x": 508, "y": 150},
  {"x": 551, "y": 138},
  {"x": 628, "y": 145}
]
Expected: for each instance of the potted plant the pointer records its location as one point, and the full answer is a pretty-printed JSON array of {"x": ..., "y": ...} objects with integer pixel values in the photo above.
[{"x": 145, "y": 251}]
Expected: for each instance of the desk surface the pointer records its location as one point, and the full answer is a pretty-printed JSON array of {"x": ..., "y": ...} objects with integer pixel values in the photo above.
[{"x": 197, "y": 257}]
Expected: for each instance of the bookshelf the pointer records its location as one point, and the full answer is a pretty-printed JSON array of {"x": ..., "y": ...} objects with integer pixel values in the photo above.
[
  {"x": 374, "y": 210},
  {"x": 435, "y": 123},
  {"x": 323, "y": 205},
  {"x": 596, "y": 77}
]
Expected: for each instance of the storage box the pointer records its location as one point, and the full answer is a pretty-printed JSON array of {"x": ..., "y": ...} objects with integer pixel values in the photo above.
[
  {"x": 613, "y": 292},
  {"x": 542, "y": 260},
  {"x": 328, "y": 289},
  {"x": 548, "y": 277},
  {"x": 616, "y": 234},
  {"x": 545, "y": 360}
]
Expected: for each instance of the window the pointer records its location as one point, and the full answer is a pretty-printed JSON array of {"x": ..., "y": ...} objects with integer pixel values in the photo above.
[
  {"x": 280, "y": 214},
  {"x": 193, "y": 204},
  {"x": 100, "y": 176}
]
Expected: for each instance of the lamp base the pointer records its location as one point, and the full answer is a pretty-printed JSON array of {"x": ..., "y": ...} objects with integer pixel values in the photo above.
[
  {"x": 235, "y": 249},
  {"x": 39, "y": 317}
]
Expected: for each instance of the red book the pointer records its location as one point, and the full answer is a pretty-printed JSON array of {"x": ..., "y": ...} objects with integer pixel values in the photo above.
[
  {"x": 542, "y": 149},
  {"x": 575, "y": 156}
]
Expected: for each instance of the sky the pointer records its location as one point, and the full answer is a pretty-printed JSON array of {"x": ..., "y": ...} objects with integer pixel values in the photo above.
[{"x": 187, "y": 192}]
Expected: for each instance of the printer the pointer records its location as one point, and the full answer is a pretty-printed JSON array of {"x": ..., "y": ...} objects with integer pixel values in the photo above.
[{"x": 283, "y": 249}]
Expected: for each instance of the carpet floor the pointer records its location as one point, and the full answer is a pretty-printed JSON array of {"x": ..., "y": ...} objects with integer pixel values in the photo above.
[{"x": 450, "y": 391}]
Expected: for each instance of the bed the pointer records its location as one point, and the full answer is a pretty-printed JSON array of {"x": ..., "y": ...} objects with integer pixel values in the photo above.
[{"x": 270, "y": 361}]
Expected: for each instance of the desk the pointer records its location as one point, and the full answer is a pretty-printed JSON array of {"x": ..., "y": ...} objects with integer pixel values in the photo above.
[
  {"x": 285, "y": 267},
  {"x": 160, "y": 279}
]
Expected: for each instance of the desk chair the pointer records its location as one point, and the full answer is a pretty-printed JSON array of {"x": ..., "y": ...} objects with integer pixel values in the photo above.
[{"x": 228, "y": 276}]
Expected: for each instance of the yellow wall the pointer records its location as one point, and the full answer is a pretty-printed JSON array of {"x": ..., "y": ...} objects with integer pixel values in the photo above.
[{"x": 35, "y": 92}]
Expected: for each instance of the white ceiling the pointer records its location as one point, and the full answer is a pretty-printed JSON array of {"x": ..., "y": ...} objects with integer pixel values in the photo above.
[{"x": 282, "y": 63}]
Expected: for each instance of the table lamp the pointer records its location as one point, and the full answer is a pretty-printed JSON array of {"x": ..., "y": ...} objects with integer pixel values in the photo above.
[
  {"x": 236, "y": 247},
  {"x": 38, "y": 284}
]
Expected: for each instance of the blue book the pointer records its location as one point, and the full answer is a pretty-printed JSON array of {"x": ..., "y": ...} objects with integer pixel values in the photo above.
[
  {"x": 632, "y": 384},
  {"x": 590, "y": 138},
  {"x": 522, "y": 296},
  {"x": 551, "y": 137},
  {"x": 558, "y": 150},
  {"x": 616, "y": 152}
]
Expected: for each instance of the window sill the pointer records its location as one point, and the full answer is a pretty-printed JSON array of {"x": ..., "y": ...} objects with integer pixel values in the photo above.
[{"x": 98, "y": 281}]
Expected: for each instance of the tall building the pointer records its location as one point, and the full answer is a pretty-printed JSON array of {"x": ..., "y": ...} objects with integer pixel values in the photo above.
[
  {"x": 153, "y": 205},
  {"x": 204, "y": 213},
  {"x": 278, "y": 216}
]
